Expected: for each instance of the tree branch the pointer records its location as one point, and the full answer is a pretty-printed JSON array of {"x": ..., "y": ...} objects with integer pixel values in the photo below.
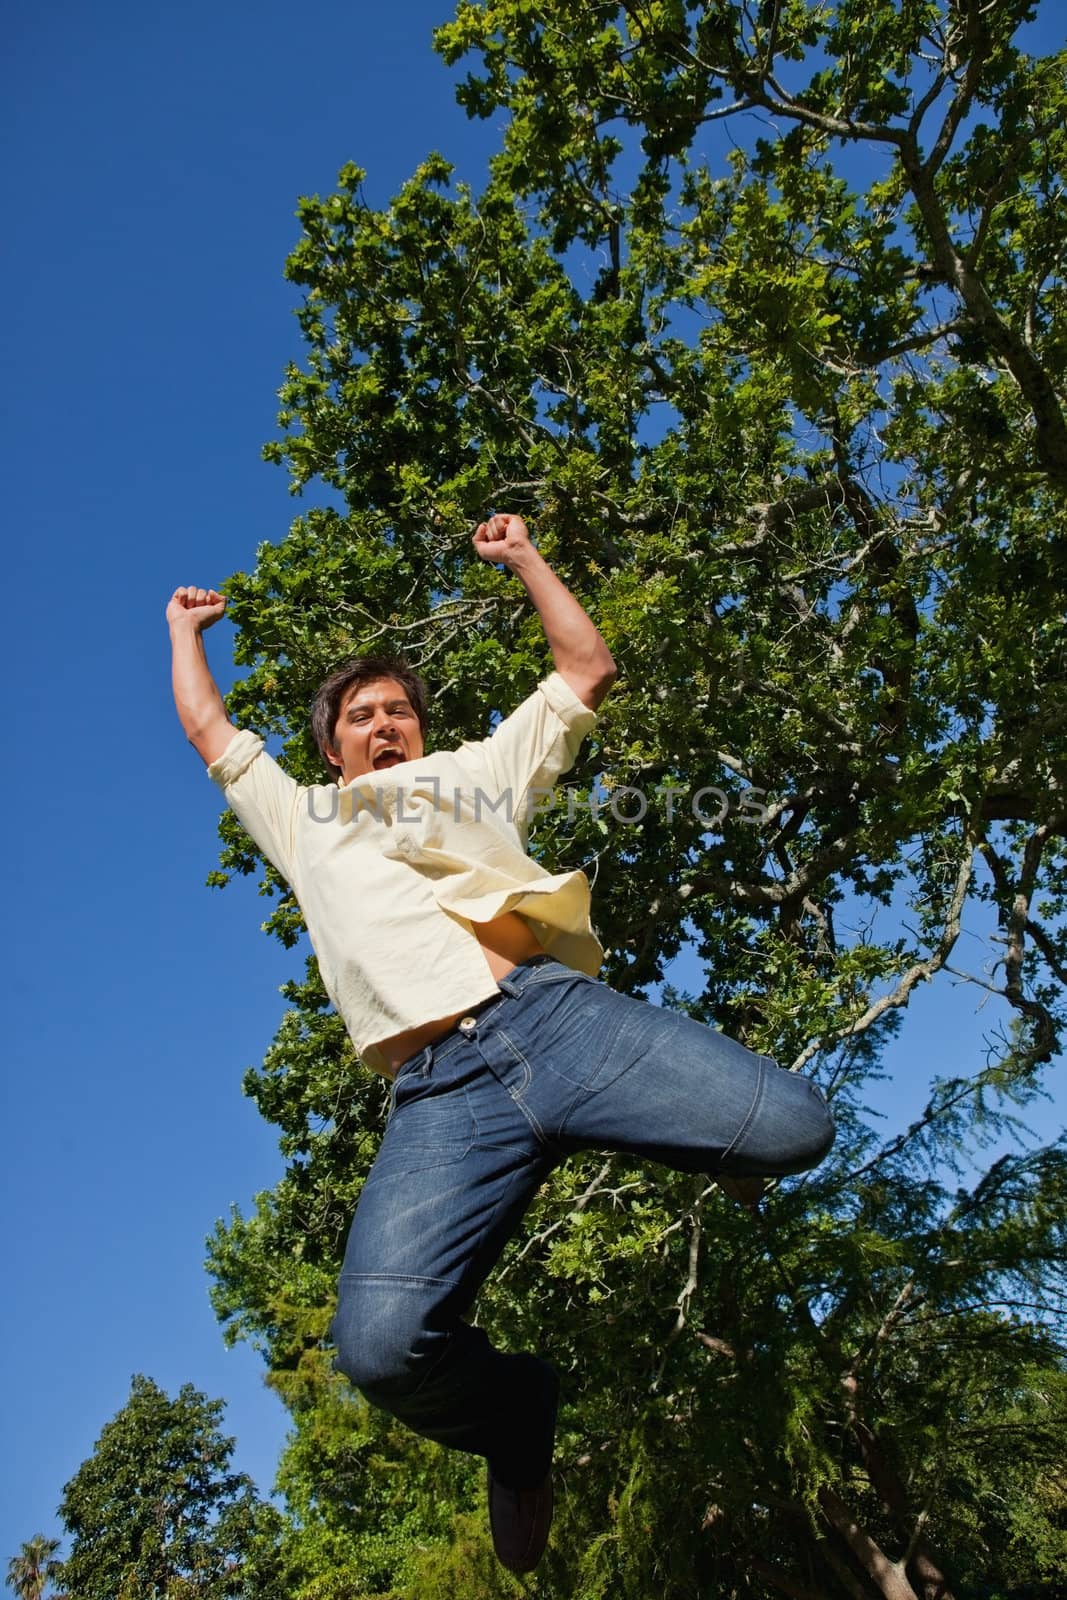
[
  {"x": 920, "y": 972},
  {"x": 885, "y": 1574},
  {"x": 1033, "y": 381}
]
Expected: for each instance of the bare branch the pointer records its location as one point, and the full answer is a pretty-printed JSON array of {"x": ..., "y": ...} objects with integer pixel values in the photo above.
[
  {"x": 688, "y": 1288},
  {"x": 1034, "y": 382},
  {"x": 974, "y": 40},
  {"x": 920, "y": 972}
]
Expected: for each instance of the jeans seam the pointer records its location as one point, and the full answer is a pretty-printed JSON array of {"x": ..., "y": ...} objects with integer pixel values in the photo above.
[
  {"x": 527, "y": 1080},
  {"x": 480, "y": 1142},
  {"x": 405, "y": 1277},
  {"x": 757, "y": 1099},
  {"x": 589, "y": 1088},
  {"x": 527, "y": 1071},
  {"x": 398, "y": 1277},
  {"x": 420, "y": 1150},
  {"x": 406, "y": 1146}
]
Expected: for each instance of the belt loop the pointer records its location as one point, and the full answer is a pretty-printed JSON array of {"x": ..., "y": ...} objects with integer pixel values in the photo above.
[{"x": 518, "y": 978}]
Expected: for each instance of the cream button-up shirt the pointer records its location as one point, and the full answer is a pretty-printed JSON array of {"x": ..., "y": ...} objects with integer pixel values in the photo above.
[{"x": 391, "y": 870}]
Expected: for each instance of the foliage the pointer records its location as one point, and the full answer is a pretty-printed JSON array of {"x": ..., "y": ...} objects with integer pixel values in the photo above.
[
  {"x": 34, "y": 1568},
  {"x": 155, "y": 1513},
  {"x": 760, "y": 319}
]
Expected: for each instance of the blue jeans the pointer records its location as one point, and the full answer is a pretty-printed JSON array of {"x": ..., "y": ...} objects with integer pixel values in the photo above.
[{"x": 557, "y": 1063}]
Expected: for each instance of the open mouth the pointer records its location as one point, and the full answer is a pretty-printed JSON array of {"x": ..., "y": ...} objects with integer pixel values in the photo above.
[{"x": 387, "y": 758}]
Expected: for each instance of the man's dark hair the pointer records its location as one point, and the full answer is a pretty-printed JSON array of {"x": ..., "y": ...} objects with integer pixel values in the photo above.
[{"x": 326, "y": 706}]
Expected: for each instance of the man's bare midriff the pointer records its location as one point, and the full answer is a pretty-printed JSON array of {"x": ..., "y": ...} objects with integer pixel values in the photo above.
[{"x": 505, "y": 942}]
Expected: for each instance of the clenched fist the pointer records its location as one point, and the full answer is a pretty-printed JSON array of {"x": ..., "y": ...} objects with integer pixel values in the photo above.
[
  {"x": 198, "y": 608},
  {"x": 503, "y": 538}
]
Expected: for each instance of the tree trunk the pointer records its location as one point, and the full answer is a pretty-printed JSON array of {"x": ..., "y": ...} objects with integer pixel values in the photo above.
[{"x": 885, "y": 1574}]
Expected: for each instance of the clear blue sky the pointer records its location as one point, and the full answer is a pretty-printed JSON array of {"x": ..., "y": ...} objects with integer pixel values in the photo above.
[{"x": 154, "y": 156}]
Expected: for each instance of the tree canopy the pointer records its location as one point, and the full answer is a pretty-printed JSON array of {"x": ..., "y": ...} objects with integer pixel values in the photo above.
[
  {"x": 759, "y": 318},
  {"x": 155, "y": 1513}
]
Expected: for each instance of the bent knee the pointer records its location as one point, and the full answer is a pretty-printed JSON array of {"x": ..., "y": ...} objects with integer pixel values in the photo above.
[
  {"x": 794, "y": 1133},
  {"x": 379, "y": 1334},
  {"x": 812, "y": 1130},
  {"x": 819, "y": 1141}
]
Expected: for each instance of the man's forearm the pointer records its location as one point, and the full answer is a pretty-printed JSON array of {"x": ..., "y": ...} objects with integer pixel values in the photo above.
[
  {"x": 200, "y": 706},
  {"x": 578, "y": 651}
]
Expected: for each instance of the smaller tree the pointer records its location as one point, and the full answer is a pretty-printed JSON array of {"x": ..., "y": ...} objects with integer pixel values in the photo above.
[
  {"x": 34, "y": 1568},
  {"x": 155, "y": 1512}
]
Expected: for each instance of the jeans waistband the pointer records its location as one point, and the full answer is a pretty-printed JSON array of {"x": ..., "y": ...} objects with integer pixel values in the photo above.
[
  {"x": 515, "y": 981},
  {"x": 511, "y": 986}
]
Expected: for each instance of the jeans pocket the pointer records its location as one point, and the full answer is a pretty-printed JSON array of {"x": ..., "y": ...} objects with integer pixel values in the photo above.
[
  {"x": 429, "y": 1120},
  {"x": 405, "y": 1070}
]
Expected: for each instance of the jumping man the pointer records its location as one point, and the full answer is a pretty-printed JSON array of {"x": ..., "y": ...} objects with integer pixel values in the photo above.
[{"x": 466, "y": 973}]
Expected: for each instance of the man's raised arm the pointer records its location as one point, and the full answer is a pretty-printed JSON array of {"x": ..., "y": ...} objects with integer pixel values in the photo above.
[
  {"x": 201, "y": 709},
  {"x": 580, "y": 655}
]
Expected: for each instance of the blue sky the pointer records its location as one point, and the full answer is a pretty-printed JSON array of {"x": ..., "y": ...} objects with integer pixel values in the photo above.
[{"x": 155, "y": 156}]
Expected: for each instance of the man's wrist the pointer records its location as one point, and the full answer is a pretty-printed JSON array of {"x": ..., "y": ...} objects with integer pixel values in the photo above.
[
  {"x": 185, "y": 627},
  {"x": 526, "y": 561}
]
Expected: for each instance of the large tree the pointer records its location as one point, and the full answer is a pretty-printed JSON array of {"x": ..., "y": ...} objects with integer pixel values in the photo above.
[
  {"x": 760, "y": 319},
  {"x": 156, "y": 1513}
]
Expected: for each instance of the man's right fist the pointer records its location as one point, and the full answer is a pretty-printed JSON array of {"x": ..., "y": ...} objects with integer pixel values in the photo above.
[{"x": 200, "y": 607}]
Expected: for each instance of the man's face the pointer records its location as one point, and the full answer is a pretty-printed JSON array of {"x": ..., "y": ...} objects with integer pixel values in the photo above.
[{"x": 377, "y": 728}]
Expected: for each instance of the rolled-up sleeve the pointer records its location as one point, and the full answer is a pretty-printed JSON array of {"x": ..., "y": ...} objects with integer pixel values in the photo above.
[
  {"x": 535, "y": 745},
  {"x": 264, "y": 799}
]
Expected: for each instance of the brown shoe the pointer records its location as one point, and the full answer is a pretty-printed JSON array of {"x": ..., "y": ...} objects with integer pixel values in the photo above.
[
  {"x": 747, "y": 1192},
  {"x": 520, "y": 1520}
]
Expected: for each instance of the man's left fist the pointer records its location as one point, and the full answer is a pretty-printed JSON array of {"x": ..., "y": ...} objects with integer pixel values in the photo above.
[{"x": 502, "y": 539}]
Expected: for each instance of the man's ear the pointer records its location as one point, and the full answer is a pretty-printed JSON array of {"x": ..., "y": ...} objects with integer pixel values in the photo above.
[{"x": 334, "y": 758}]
